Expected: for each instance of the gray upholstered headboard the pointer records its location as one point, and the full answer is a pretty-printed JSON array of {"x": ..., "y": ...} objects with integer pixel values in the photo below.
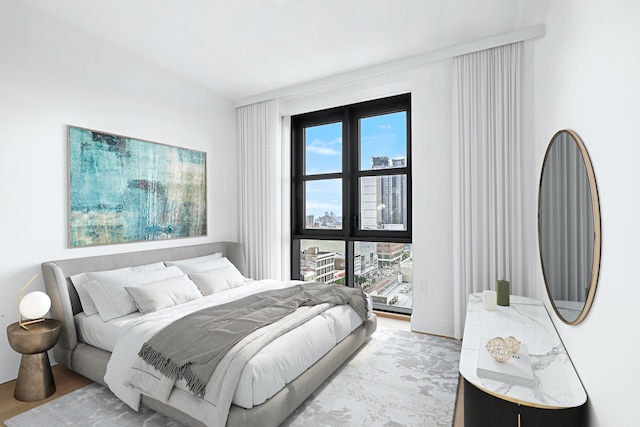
[{"x": 64, "y": 298}]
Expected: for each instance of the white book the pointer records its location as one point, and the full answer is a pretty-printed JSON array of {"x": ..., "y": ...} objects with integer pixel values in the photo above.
[{"x": 516, "y": 371}]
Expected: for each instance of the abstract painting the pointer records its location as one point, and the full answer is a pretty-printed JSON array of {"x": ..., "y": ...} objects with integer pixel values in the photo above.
[{"x": 125, "y": 190}]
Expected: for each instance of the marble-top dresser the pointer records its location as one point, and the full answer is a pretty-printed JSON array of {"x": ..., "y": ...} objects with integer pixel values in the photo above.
[{"x": 557, "y": 396}]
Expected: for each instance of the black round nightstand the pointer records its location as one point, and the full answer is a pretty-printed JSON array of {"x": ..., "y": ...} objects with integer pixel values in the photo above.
[{"x": 35, "y": 380}]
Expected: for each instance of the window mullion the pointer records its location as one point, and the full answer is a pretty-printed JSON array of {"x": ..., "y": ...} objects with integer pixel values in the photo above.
[
  {"x": 346, "y": 186},
  {"x": 349, "y": 256},
  {"x": 352, "y": 177}
]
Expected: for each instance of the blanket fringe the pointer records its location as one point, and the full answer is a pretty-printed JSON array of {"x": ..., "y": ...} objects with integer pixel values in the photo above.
[
  {"x": 155, "y": 358},
  {"x": 195, "y": 384},
  {"x": 169, "y": 369}
]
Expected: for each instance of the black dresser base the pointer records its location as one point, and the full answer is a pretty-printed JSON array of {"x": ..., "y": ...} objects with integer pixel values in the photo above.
[{"x": 482, "y": 410}]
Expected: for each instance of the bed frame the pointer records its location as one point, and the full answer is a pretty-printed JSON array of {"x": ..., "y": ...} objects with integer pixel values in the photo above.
[{"x": 91, "y": 362}]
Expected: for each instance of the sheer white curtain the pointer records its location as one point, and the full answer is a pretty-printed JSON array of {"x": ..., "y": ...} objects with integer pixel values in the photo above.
[
  {"x": 259, "y": 132},
  {"x": 493, "y": 208}
]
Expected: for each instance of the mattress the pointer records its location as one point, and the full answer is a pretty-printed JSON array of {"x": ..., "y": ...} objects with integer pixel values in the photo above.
[{"x": 271, "y": 369}]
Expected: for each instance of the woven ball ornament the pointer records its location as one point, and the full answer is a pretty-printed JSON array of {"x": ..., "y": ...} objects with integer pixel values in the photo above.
[
  {"x": 514, "y": 344},
  {"x": 501, "y": 349}
]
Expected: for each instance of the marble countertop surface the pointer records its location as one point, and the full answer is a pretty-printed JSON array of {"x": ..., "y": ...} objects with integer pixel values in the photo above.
[{"x": 556, "y": 383}]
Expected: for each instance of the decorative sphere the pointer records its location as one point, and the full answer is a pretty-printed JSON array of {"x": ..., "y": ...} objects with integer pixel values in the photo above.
[{"x": 34, "y": 305}]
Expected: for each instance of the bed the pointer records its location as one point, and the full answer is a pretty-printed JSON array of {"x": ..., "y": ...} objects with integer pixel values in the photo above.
[{"x": 90, "y": 356}]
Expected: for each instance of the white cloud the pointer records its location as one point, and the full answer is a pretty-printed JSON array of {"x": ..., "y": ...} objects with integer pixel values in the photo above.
[
  {"x": 324, "y": 148},
  {"x": 323, "y": 206},
  {"x": 325, "y": 151}
]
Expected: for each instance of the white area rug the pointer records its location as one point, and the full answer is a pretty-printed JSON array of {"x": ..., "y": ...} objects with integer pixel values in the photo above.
[{"x": 398, "y": 378}]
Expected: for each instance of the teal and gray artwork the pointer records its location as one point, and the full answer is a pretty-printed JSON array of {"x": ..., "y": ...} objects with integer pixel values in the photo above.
[{"x": 128, "y": 190}]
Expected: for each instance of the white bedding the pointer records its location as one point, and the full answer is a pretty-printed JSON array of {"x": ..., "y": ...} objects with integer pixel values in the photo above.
[
  {"x": 271, "y": 369},
  {"x": 279, "y": 362},
  {"x": 98, "y": 333}
]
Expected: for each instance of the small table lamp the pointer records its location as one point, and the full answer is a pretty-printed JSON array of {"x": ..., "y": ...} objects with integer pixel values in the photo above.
[{"x": 33, "y": 306}]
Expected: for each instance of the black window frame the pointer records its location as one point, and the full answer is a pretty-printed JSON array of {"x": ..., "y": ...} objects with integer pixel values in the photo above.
[{"x": 351, "y": 173}]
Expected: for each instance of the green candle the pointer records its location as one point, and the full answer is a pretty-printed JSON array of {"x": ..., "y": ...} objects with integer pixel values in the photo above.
[{"x": 502, "y": 286}]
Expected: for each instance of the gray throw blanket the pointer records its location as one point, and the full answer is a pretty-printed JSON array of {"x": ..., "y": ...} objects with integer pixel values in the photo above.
[{"x": 191, "y": 347}]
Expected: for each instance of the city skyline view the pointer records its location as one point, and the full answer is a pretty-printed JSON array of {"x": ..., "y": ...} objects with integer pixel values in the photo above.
[
  {"x": 380, "y": 136},
  {"x": 384, "y": 274}
]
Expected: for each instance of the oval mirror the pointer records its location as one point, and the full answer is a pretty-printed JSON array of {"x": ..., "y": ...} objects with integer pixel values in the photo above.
[{"x": 569, "y": 232}]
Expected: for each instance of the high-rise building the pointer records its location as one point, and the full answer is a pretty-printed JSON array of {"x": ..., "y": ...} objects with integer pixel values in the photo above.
[
  {"x": 383, "y": 199},
  {"x": 309, "y": 221},
  {"x": 389, "y": 254},
  {"x": 316, "y": 266},
  {"x": 366, "y": 259}
]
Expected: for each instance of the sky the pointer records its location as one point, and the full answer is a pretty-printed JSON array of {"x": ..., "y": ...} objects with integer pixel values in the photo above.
[{"x": 383, "y": 135}]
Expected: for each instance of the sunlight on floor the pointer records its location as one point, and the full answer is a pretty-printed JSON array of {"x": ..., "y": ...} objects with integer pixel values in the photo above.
[{"x": 393, "y": 323}]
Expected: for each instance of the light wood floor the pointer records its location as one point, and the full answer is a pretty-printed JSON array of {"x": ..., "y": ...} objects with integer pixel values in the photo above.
[
  {"x": 68, "y": 381},
  {"x": 458, "y": 419}
]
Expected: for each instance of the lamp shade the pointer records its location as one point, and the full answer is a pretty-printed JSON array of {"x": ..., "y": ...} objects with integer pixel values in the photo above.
[{"x": 34, "y": 305}]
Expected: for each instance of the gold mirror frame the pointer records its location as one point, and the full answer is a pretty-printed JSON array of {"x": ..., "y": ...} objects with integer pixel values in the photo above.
[{"x": 597, "y": 232}]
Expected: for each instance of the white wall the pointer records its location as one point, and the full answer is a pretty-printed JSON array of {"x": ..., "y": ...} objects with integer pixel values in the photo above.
[
  {"x": 587, "y": 70},
  {"x": 52, "y": 76},
  {"x": 430, "y": 86},
  {"x": 432, "y": 200}
]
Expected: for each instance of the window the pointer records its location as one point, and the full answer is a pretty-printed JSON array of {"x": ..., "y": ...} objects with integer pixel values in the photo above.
[{"x": 351, "y": 199}]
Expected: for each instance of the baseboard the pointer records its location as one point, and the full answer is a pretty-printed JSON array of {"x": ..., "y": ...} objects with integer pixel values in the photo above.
[{"x": 432, "y": 326}]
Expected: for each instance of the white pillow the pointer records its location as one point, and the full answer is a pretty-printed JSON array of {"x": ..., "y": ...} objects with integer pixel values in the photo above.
[
  {"x": 149, "y": 267},
  {"x": 218, "y": 280},
  {"x": 163, "y": 294},
  {"x": 181, "y": 262},
  {"x": 112, "y": 299},
  {"x": 196, "y": 267},
  {"x": 79, "y": 280}
]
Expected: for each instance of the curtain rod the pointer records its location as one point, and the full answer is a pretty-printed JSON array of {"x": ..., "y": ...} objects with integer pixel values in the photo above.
[{"x": 398, "y": 65}]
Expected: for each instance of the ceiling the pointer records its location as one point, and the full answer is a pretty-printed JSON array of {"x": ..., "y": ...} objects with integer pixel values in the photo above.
[{"x": 243, "y": 48}]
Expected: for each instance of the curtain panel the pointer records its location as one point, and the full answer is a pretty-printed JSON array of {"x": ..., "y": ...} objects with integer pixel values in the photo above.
[
  {"x": 493, "y": 211},
  {"x": 260, "y": 164}
]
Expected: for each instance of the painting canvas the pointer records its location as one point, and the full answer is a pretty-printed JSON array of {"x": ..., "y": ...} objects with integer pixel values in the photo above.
[{"x": 124, "y": 190}]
